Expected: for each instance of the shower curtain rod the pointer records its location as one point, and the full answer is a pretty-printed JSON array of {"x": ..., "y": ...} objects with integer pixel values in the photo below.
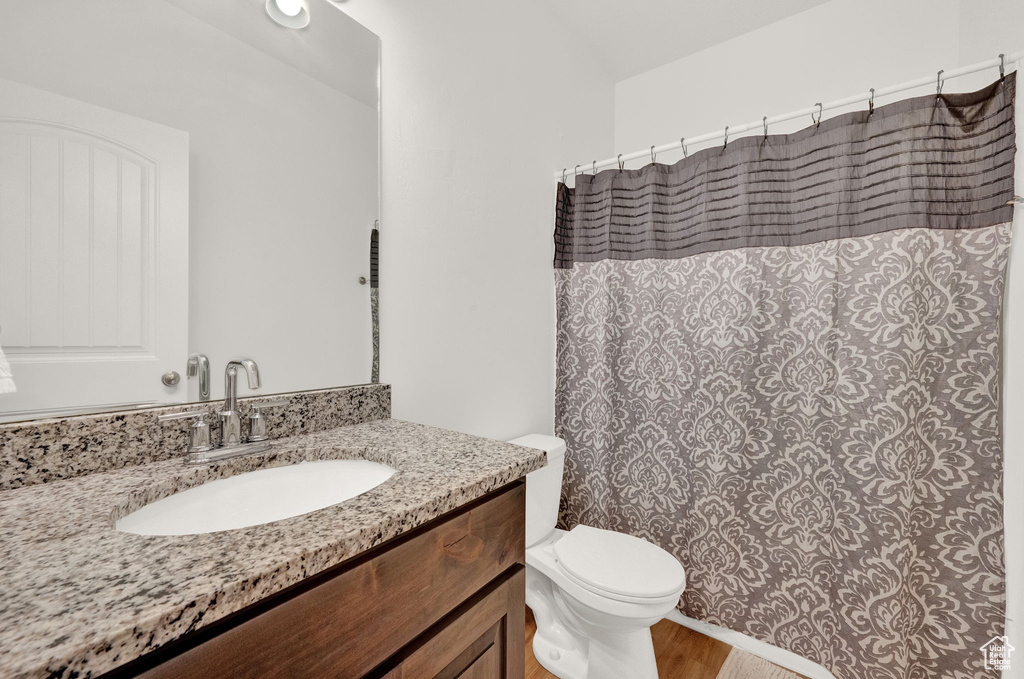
[{"x": 735, "y": 130}]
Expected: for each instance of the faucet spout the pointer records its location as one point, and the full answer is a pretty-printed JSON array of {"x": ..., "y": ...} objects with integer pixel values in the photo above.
[
  {"x": 252, "y": 371},
  {"x": 230, "y": 421}
]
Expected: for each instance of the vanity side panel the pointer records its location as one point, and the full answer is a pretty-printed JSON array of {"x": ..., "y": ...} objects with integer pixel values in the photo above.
[{"x": 356, "y": 620}]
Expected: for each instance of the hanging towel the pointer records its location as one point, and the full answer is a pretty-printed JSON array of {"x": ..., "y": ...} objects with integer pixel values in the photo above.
[{"x": 6, "y": 378}]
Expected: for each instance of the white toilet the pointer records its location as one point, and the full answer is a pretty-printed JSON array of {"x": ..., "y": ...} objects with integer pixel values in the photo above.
[{"x": 594, "y": 593}]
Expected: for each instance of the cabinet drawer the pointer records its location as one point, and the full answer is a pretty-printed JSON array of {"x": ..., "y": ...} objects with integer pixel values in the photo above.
[
  {"x": 483, "y": 639},
  {"x": 360, "y": 613}
]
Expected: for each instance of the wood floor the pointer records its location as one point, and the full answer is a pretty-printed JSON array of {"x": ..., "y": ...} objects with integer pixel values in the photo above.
[{"x": 682, "y": 654}]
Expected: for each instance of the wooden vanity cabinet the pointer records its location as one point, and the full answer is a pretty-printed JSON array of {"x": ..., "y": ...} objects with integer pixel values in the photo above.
[
  {"x": 444, "y": 601},
  {"x": 455, "y": 647}
]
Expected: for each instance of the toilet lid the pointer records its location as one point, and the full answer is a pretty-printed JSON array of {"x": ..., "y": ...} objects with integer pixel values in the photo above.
[{"x": 619, "y": 563}]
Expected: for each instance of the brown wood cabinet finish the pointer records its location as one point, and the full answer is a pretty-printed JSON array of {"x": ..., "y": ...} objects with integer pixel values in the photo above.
[
  {"x": 444, "y": 586},
  {"x": 456, "y": 647}
]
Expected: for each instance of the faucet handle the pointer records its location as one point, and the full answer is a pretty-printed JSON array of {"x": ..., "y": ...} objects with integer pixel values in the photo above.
[
  {"x": 187, "y": 415},
  {"x": 257, "y": 424},
  {"x": 199, "y": 432},
  {"x": 276, "y": 403}
]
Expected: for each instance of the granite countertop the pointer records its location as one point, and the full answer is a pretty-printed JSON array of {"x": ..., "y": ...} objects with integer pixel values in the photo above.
[{"x": 78, "y": 598}]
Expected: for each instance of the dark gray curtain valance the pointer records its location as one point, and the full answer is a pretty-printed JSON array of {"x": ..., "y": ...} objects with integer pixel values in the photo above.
[{"x": 943, "y": 162}]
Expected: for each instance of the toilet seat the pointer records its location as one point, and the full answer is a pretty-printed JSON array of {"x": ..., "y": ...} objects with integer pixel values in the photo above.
[{"x": 619, "y": 566}]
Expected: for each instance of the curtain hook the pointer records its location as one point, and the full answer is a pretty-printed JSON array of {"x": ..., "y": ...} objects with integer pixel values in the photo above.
[
  {"x": 726, "y": 137},
  {"x": 938, "y": 82},
  {"x": 765, "y": 121},
  {"x": 871, "y": 102},
  {"x": 820, "y": 110},
  {"x": 653, "y": 154},
  {"x": 564, "y": 170},
  {"x": 1002, "y": 66},
  {"x": 593, "y": 167},
  {"x": 682, "y": 143},
  {"x": 621, "y": 164}
]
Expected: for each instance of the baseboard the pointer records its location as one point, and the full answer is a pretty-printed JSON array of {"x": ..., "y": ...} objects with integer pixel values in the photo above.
[{"x": 774, "y": 654}]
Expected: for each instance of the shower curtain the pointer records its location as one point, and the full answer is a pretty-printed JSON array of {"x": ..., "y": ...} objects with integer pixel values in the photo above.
[{"x": 780, "y": 360}]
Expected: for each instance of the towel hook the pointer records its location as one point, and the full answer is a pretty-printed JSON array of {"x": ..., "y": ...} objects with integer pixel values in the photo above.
[
  {"x": 621, "y": 164},
  {"x": 564, "y": 170},
  {"x": 726, "y": 137},
  {"x": 682, "y": 143},
  {"x": 871, "y": 102},
  {"x": 653, "y": 154},
  {"x": 1002, "y": 66},
  {"x": 593, "y": 167},
  {"x": 938, "y": 82},
  {"x": 765, "y": 121},
  {"x": 820, "y": 110},
  {"x": 576, "y": 172}
]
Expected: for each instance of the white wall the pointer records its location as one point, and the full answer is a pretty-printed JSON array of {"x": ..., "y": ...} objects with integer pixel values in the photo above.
[
  {"x": 987, "y": 25},
  {"x": 832, "y": 51},
  {"x": 481, "y": 100}
]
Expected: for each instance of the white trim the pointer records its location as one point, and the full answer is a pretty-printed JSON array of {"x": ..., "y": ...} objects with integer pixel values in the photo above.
[{"x": 774, "y": 654}]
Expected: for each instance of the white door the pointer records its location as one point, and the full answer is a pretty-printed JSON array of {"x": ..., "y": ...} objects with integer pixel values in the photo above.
[{"x": 93, "y": 254}]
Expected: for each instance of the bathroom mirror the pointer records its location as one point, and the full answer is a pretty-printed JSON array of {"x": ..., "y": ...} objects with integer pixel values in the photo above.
[{"x": 181, "y": 178}]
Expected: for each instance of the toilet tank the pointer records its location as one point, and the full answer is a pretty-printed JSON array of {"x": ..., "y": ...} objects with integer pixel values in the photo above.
[{"x": 543, "y": 487}]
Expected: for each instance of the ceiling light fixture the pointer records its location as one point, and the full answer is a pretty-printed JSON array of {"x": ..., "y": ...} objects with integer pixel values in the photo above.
[{"x": 289, "y": 13}]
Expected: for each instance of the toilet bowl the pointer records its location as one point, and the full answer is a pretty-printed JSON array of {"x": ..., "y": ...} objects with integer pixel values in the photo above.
[{"x": 594, "y": 593}]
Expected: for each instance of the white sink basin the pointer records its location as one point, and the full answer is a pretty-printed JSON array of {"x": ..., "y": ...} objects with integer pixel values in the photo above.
[{"x": 256, "y": 497}]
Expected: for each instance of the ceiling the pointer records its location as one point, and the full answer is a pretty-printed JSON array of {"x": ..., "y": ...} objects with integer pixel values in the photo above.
[
  {"x": 334, "y": 49},
  {"x": 633, "y": 36}
]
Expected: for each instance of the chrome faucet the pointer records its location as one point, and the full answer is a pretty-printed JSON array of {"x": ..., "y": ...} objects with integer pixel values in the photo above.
[
  {"x": 231, "y": 423},
  {"x": 201, "y": 448},
  {"x": 199, "y": 366}
]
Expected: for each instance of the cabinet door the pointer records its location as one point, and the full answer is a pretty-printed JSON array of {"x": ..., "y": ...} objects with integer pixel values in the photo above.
[
  {"x": 482, "y": 639},
  {"x": 485, "y": 666}
]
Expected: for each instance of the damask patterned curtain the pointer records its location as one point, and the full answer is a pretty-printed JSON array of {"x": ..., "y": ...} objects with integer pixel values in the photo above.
[{"x": 780, "y": 361}]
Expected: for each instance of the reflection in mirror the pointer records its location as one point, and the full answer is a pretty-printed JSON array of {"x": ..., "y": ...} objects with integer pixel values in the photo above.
[{"x": 182, "y": 183}]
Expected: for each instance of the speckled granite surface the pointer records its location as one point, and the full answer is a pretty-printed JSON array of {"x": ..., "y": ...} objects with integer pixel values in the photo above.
[
  {"x": 78, "y": 598},
  {"x": 42, "y": 451}
]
